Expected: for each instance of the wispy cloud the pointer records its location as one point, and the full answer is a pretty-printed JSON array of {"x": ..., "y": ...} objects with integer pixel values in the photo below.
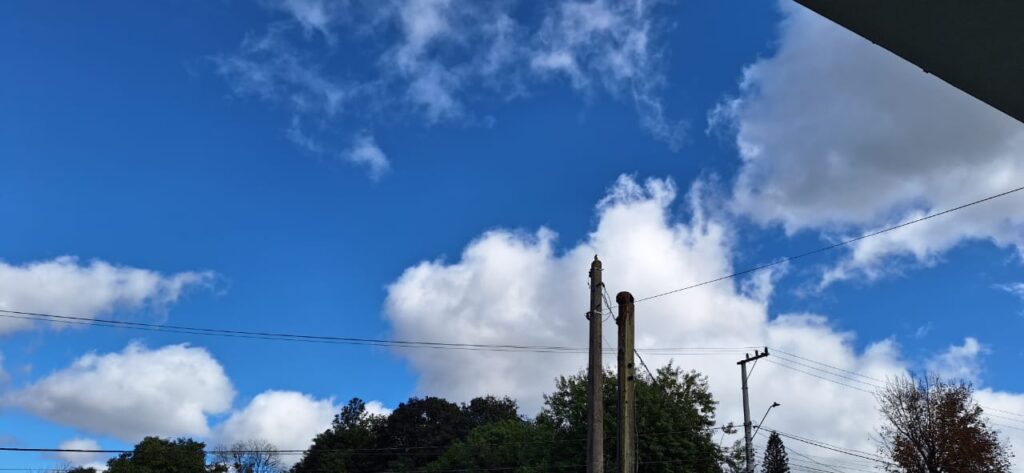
[
  {"x": 432, "y": 60},
  {"x": 1016, "y": 289},
  {"x": 365, "y": 152}
]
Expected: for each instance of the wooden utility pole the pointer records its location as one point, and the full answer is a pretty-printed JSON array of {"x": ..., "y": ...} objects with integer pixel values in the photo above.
[
  {"x": 627, "y": 378},
  {"x": 595, "y": 375},
  {"x": 749, "y": 453}
]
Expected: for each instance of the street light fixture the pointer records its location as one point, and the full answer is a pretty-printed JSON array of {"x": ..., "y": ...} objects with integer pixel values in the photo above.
[{"x": 774, "y": 405}]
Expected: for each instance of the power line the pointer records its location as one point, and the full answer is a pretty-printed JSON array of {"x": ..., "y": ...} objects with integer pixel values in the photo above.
[
  {"x": 293, "y": 337},
  {"x": 846, "y": 451},
  {"x": 1018, "y": 418},
  {"x": 862, "y": 375},
  {"x": 849, "y": 378},
  {"x": 823, "y": 249},
  {"x": 820, "y": 377}
]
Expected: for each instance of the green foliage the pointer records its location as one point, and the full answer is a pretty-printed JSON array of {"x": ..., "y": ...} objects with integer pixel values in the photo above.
[
  {"x": 156, "y": 455},
  {"x": 775, "y": 458},
  {"x": 526, "y": 446},
  {"x": 675, "y": 422},
  {"x": 81, "y": 469},
  {"x": 414, "y": 435},
  {"x": 675, "y": 417}
]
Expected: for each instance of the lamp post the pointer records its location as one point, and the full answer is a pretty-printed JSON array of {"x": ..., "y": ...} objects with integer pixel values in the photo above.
[{"x": 774, "y": 405}]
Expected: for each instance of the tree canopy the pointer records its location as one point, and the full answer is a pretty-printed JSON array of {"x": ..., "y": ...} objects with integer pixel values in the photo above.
[
  {"x": 775, "y": 458},
  {"x": 675, "y": 417},
  {"x": 157, "y": 455},
  {"x": 414, "y": 435},
  {"x": 933, "y": 426}
]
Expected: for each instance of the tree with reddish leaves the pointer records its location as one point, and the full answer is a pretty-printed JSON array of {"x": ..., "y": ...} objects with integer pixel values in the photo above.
[{"x": 933, "y": 426}]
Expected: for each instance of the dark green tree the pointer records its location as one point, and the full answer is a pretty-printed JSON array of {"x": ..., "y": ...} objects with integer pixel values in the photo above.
[
  {"x": 775, "y": 458},
  {"x": 675, "y": 420},
  {"x": 157, "y": 455},
  {"x": 422, "y": 422},
  {"x": 415, "y": 434},
  {"x": 527, "y": 447},
  {"x": 348, "y": 445},
  {"x": 489, "y": 409},
  {"x": 81, "y": 469},
  {"x": 675, "y": 414}
]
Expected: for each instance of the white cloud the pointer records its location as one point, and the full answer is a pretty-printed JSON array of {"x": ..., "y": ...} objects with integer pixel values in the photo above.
[
  {"x": 1016, "y": 289},
  {"x": 65, "y": 286},
  {"x": 377, "y": 408},
  {"x": 80, "y": 458},
  {"x": 168, "y": 391},
  {"x": 436, "y": 57},
  {"x": 837, "y": 134},
  {"x": 607, "y": 42},
  {"x": 269, "y": 67},
  {"x": 365, "y": 152},
  {"x": 1003, "y": 410},
  {"x": 288, "y": 420},
  {"x": 961, "y": 362},
  {"x": 313, "y": 15},
  {"x": 515, "y": 287}
]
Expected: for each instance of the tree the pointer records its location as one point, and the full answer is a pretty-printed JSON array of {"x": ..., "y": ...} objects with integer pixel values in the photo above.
[
  {"x": 489, "y": 409},
  {"x": 250, "y": 456},
  {"x": 527, "y": 447},
  {"x": 79, "y": 469},
  {"x": 932, "y": 426},
  {"x": 675, "y": 417},
  {"x": 344, "y": 447},
  {"x": 675, "y": 420},
  {"x": 157, "y": 455},
  {"x": 415, "y": 434},
  {"x": 775, "y": 458}
]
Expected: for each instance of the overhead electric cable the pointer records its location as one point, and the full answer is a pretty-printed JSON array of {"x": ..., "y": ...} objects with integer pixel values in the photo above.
[
  {"x": 820, "y": 377},
  {"x": 833, "y": 246},
  {"x": 846, "y": 451},
  {"x": 262, "y": 335}
]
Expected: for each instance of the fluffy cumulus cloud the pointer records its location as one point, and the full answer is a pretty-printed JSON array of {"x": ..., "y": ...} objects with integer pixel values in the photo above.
[
  {"x": 960, "y": 361},
  {"x": 66, "y": 286},
  {"x": 288, "y": 420},
  {"x": 86, "y": 459},
  {"x": 838, "y": 135},
  {"x": 511, "y": 287},
  {"x": 515, "y": 287},
  {"x": 167, "y": 391},
  {"x": 377, "y": 408},
  {"x": 435, "y": 57}
]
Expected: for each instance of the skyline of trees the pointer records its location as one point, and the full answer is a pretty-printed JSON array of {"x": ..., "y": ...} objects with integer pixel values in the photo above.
[{"x": 930, "y": 426}]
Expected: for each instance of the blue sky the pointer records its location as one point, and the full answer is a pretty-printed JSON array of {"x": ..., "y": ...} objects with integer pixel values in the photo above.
[{"x": 368, "y": 170}]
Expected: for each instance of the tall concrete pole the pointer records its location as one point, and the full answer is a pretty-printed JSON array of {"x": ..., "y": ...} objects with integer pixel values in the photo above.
[
  {"x": 627, "y": 376},
  {"x": 749, "y": 446},
  {"x": 749, "y": 450},
  {"x": 595, "y": 376}
]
